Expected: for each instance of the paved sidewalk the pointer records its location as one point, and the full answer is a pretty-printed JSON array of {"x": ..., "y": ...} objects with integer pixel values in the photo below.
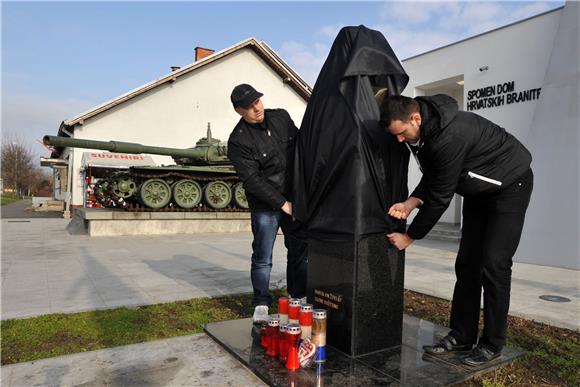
[
  {"x": 194, "y": 360},
  {"x": 430, "y": 270},
  {"x": 46, "y": 270},
  {"x": 18, "y": 210}
]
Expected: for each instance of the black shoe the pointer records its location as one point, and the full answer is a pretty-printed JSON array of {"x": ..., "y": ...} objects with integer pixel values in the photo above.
[
  {"x": 480, "y": 355},
  {"x": 446, "y": 345}
]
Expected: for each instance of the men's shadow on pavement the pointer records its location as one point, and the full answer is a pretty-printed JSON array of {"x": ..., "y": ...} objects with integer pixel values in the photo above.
[
  {"x": 201, "y": 277},
  {"x": 119, "y": 366}
]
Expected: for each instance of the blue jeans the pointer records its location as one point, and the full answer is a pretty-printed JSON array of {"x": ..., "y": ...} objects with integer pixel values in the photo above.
[{"x": 265, "y": 226}]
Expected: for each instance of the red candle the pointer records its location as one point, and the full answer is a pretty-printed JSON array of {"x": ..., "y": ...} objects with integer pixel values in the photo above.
[
  {"x": 283, "y": 342},
  {"x": 293, "y": 335},
  {"x": 273, "y": 345},
  {"x": 305, "y": 319},
  {"x": 263, "y": 336},
  {"x": 294, "y": 310},
  {"x": 283, "y": 309}
]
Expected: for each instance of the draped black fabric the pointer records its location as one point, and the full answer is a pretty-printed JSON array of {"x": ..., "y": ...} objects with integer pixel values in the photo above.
[{"x": 349, "y": 170}]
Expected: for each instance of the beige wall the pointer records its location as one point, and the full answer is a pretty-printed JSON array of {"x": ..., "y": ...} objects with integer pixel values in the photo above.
[{"x": 176, "y": 114}]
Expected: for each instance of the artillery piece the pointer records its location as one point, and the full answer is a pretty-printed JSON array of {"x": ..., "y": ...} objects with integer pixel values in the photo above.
[{"x": 203, "y": 179}]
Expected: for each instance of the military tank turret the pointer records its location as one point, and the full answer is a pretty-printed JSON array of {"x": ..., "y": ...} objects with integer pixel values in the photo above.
[{"x": 202, "y": 179}]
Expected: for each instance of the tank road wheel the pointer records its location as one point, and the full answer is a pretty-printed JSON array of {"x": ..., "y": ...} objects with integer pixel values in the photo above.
[
  {"x": 155, "y": 193},
  {"x": 217, "y": 194},
  {"x": 240, "y": 196},
  {"x": 123, "y": 187},
  {"x": 186, "y": 193}
]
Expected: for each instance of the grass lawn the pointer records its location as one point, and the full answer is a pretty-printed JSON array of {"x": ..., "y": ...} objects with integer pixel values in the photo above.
[
  {"x": 553, "y": 354},
  {"x": 7, "y": 199}
]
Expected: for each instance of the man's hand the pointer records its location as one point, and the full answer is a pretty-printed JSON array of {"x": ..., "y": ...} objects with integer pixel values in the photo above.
[
  {"x": 399, "y": 240},
  {"x": 400, "y": 211},
  {"x": 403, "y": 210},
  {"x": 287, "y": 208}
]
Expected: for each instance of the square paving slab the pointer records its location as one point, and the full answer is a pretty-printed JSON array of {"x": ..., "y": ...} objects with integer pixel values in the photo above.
[{"x": 404, "y": 365}]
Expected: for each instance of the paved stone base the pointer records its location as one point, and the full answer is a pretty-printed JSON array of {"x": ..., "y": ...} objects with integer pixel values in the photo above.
[
  {"x": 403, "y": 365},
  {"x": 182, "y": 361},
  {"x": 107, "y": 222}
]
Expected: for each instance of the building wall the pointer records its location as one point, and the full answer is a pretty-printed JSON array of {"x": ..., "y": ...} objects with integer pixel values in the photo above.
[
  {"x": 552, "y": 237},
  {"x": 508, "y": 56},
  {"x": 176, "y": 114},
  {"x": 523, "y": 53}
]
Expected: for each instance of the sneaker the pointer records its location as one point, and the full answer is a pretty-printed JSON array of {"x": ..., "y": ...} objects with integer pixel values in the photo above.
[
  {"x": 480, "y": 355},
  {"x": 446, "y": 345},
  {"x": 260, "y": 314}
]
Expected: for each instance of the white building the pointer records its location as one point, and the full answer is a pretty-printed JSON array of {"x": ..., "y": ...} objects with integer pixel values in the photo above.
[
  {"x": 524, "y": 77},
  {"x": 174, "y": 111}
]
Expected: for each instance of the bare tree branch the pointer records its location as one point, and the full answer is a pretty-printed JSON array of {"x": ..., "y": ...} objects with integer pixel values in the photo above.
[{"x": 19, "y": 173}]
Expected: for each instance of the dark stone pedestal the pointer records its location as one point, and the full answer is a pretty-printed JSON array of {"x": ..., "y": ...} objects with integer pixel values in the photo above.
[
  {"x": 361, "y": 287},
  {"x": 403, "y": 365}
]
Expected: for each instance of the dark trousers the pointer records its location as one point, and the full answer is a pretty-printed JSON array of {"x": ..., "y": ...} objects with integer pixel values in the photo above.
[
  {"x": 265, "y": 227},
  {"x": 492, "y": 226}
]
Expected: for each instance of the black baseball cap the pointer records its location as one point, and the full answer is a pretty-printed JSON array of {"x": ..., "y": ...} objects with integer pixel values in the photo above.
[{"x": 243, "y": 95}]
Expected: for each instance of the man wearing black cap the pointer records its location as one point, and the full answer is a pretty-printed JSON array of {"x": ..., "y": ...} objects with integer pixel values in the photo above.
[{"x": 261, "y": 146}]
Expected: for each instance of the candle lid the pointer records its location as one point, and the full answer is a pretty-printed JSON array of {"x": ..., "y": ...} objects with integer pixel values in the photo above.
[
  {"x": 319, "y": 313},
  {"x": 274, "y": 321},
  {"x": 293, "y": 329},
  {"x": 306, "y": 308},
  {"x": 295, "y": 302}
]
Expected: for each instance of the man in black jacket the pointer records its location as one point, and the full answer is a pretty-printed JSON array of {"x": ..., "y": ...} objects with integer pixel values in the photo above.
[
  {"x": 464, "y": 153},
  {"x": 261, "y": 146}
]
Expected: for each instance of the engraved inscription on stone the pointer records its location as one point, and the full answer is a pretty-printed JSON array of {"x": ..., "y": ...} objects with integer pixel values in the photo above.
[{"x": 331, "y": 300}]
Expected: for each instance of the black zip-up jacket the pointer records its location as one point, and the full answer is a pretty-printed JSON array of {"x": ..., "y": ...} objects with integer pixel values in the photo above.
[
  {"x": 460, "y": 152},
  {"x": 263, "y": 155}
]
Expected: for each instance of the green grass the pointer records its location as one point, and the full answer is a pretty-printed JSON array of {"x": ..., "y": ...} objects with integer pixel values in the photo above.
[
  {"x": 7, "y": 199},
  {"x": 60, "y": 334},
  {"x": 552, "y": 354}
]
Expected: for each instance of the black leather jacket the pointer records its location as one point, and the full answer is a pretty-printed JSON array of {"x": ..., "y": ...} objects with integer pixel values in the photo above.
[
  {"x": 461, "y": 152},
  {"x": 263, "y": 155}
]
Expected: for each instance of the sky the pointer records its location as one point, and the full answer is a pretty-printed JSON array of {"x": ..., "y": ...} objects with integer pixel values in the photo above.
[{"x": 59, "y": 59}]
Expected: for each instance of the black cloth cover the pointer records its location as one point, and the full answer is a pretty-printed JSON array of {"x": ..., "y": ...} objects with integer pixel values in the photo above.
[{"x": 349, "y": 170}]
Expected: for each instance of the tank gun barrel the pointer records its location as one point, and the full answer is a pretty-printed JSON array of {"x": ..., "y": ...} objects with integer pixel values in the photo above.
[{"x": 117, "y": 146}]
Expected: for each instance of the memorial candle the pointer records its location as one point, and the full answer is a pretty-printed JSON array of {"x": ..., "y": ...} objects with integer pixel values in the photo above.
[
  {"x": 294, "y": 310},
  {"x": 274, "y": 335},
  {"x": 293, "y": 336},
  {"x": 319, "y": 334},
  {"x": 283, "y": 309},
  {"x": 305, "y": 319}
]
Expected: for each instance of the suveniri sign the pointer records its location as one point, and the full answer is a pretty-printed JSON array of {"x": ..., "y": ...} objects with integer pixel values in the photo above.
[{"x": 499, "y": 95}]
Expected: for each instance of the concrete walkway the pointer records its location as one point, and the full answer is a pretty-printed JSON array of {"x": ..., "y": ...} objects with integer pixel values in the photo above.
[
  {"x": 18, "y": 210},
  {"x": 46, "y": 270},
  {"x": 194, "y": 360}
]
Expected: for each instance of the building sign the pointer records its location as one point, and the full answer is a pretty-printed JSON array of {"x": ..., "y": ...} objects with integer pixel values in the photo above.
[
  {"x": 499, "y": 95},
  {"x": 116, "y": 156},
  {"x": 115, "y": 160}
]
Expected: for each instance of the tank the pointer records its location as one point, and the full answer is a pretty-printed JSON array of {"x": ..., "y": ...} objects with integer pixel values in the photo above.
[{"x": 202, "y": 179}]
